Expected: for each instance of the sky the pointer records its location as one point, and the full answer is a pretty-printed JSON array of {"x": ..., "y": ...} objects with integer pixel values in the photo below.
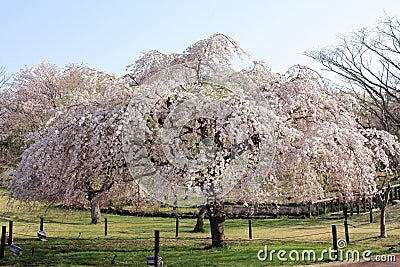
[{"x": 109, "y": 35}]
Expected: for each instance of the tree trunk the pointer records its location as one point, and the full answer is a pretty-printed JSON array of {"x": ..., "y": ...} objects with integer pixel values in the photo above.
[
  {"x": 217, "y": 218},
  {"x": 383, "y": 221},
  {"x": 309, "y": 210},
  {"x": 384, "y": 199},
  {"x": 199, "y": 227},
  {"x": 95, "y": 210}
]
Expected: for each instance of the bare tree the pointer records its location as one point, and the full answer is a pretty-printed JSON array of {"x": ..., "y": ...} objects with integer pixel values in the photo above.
[
  {"x": 8, "y": 146},
  {"x": 4, "y": 83},
  {"x": 369, "y": 61}
]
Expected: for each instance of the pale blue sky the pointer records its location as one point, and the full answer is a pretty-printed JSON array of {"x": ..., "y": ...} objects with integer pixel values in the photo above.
[{"x": 109, "y": 35}]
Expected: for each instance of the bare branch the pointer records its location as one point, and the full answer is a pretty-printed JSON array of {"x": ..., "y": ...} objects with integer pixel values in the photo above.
[{"x": 369, "y": 61}]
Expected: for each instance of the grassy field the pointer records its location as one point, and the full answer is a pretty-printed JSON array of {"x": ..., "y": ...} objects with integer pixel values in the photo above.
[{"x": 131, "y": 239}]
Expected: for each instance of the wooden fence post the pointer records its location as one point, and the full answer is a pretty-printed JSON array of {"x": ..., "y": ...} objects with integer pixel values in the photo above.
[
  {"x": 41, "y": 224},
  {"x": 335, "y": 242},
  {"x": 105, "y": 226},
  {"x": 346, "y": 232},
  {"x": 10, "y": 232},
  {"x": 250, "y": 230},
  {"x": 3, "y": 241},
  {"x": 156, "y": 248}
]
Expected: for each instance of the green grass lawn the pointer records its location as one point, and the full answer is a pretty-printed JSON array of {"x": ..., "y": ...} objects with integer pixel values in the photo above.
[{"x": 131, "y": 239}]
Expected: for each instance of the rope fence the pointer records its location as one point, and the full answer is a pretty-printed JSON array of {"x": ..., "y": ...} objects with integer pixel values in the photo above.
[{"x": 259, "y": 231}]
